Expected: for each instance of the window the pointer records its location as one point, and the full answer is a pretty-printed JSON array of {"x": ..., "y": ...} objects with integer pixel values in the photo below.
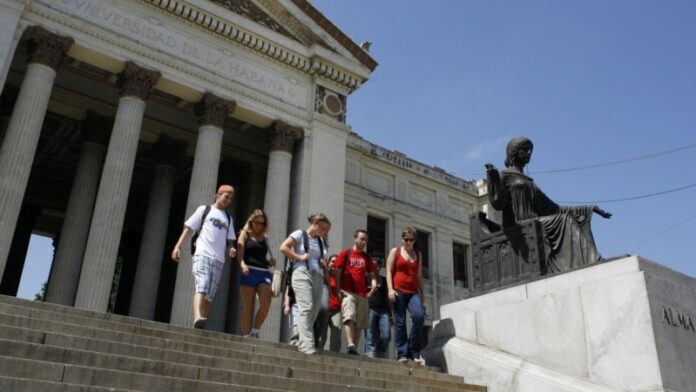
[
  {"x": 459, "y": 259},
  {"x": 423, "y": 245},
  {"x": 377, "y": 238}
]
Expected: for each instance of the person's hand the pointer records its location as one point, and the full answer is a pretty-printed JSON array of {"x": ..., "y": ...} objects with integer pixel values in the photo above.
[
  {"x": 392, "y": 295},
  {"x": 176, "y": 254},
  {"x": 286, "y": 309},
  {"x": 372, "y": 291},
  {"x": 245, "y": 268},
  {"x": 272, "y": 262},
  {"x": 304, "y": 257},
  {"x": 232, "y": 252},
  {"x": 323, "y": 263},
  {"x": 601, "y": 212}
]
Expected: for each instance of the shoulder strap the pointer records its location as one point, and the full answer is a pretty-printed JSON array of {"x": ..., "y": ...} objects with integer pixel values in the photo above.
[
  {"x": 349, "y": 251},
  {"x": 205, "y": 215},
  {"x": 305, "y": 240}
]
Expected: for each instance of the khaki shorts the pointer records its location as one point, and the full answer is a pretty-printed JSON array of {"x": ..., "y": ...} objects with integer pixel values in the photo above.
[{"x": 355, "y": 308}]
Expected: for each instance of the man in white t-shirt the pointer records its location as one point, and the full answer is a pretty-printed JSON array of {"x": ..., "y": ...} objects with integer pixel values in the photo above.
[{"x": 216, "y": 237}]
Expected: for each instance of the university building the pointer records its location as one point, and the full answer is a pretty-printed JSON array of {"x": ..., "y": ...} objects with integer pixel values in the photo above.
[{"x": 119, "y": 117}]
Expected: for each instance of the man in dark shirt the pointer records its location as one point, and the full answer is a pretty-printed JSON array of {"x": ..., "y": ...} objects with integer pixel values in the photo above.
[{"x": 378, "y": 332}]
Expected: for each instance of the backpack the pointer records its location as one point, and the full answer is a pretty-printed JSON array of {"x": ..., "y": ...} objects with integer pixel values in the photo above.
[{"x": 194, "y": 238}]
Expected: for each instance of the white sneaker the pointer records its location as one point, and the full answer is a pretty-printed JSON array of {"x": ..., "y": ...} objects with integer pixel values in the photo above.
[
  {"x": 402, "y": 360},
  {"x": 419, "y": 361}
]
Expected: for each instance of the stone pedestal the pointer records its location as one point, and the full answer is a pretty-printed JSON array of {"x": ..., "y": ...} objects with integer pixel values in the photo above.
[{"x": 622, "y": 325}]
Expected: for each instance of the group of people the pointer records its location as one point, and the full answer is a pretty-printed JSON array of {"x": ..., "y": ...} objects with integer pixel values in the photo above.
[{"x": 342, "y": 291}]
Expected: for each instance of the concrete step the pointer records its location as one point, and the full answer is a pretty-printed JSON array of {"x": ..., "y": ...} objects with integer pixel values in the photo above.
[
  {"x": 141, "y": 339},
  {"x": 10, "y": 384},
  {"x": 51, "y": 347},
  {"x": 133, "y": 353}
]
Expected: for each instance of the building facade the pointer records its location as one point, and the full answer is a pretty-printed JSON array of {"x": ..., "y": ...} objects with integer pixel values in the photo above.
[{"x": 119, "y": 117}]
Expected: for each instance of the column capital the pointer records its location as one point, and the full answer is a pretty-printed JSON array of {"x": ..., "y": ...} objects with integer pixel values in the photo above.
[
  {"x": 213, "y": 110},
  {"x": 168, "y": 151},
  {"x": 284, "y": 136},
  {"x": 47, "y": 48},
  {"x": 136, "y": 81},
  {"x": 96, "y": 128}
]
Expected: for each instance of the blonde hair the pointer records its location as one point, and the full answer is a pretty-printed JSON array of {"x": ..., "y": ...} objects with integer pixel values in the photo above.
[
  {"x": 317, "y": 218},
  {"x": 255, "y": 214}
]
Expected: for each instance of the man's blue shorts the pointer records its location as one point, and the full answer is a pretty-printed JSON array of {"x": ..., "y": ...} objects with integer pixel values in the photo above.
[{"x": 256, "y": 277}]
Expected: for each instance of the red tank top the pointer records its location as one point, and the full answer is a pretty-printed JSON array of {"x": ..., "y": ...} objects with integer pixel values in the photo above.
[{"x": 405, "y": 273}]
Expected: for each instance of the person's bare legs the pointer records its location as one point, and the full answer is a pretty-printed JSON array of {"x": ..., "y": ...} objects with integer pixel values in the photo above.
[
  {"x": 200, "y": 306},
  {"x": 248, "y": 296},
  {"x": 350, "y": 331},
  {"x": 265, "y": 295}
]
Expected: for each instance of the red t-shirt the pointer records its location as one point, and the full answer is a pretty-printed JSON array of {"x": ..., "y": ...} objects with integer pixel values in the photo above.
[
  {"x": 334, "y": 300},
  {"x": 405, "y": 273},
  {"x": 354, "y": 271}
]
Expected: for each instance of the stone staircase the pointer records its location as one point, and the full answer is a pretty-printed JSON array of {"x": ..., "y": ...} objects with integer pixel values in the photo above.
[{"x": 46, "y": 347}]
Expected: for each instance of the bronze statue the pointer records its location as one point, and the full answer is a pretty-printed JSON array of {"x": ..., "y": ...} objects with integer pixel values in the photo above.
[{"x": 568, "y": 238}]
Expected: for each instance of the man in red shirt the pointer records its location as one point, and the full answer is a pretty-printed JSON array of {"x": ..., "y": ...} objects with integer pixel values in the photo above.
[{"x": 350, "y": 269}]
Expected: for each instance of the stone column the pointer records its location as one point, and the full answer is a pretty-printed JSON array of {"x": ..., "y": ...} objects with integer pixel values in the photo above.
[
  {"x": 65, "y": 272},
  {"x": 93, "y": 292},
  {"x": 276, "y": 202},
  {"x": 212, "y": 112},
  {"x": 10, "y": 33},
  {"x": 152, "y": 246},
  {"x": 46, "y": 52}
]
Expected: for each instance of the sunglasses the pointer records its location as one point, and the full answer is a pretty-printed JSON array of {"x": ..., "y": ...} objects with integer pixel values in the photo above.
[
  {"x": 259, "y": 223},
  {"x": 409, "y": 239}
]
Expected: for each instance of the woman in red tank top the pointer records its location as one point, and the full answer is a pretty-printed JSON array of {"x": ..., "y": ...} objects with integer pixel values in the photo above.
[{"x": 405, "y": 283}]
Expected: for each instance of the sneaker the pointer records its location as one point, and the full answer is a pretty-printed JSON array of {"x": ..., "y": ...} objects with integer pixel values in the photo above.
[
  {"x": 352, "y": 350},
  {"x": 254, "y": 335},
  {"x": 200, "y": 323},
  {"x": 402, "y": 360},
  {"x": 419, "y": 361}
]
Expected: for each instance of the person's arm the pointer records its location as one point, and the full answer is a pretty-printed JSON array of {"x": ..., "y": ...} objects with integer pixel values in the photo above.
[
  {"x": 231, "y": 250},
  {"x": 375, "y": 285},
  {"x": 601, "y": 212},
  {"x": 240, "y": 252},
  {"x": 338, "y": 271},
  {"x": 287, "y": 248},
  {"x": 185, "y": 234},
  {"x": 390, "y": 272}
]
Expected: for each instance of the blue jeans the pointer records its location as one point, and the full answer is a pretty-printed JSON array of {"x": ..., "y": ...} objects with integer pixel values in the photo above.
[
  {"x": 378, "y": 334},
  {"x": 408, "y": 347}
]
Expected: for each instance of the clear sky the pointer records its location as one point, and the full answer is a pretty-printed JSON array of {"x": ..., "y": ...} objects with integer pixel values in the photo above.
[{"x": 589, "y": 82}]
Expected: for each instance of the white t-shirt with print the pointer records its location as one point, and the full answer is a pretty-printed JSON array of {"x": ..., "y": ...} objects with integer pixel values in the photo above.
[
  {"x": 314, "y": 251},
  {"x": 212, "y": 240}
]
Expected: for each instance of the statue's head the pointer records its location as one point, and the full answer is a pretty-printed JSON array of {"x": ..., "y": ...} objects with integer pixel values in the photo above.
[{"x": 513, "y": 147}]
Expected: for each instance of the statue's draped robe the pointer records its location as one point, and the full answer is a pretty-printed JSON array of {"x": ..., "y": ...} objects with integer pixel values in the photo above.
[{"x": 568, "y": 238}]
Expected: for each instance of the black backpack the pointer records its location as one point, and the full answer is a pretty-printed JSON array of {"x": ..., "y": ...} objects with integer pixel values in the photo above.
[{"x": 198, "y": 232}]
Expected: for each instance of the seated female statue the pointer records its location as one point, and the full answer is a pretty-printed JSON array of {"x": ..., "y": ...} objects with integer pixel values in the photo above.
[{"x": 568, "y": 237}]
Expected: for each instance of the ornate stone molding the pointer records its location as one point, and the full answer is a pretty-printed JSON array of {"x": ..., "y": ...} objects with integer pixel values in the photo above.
[
  {"x": 330, "y": 103},
  {"x": 47, "y": 48},
  {"x": 284, "y": 136},
  {"x": 250, "y": 10},
  {"x": 168, "y": 151},
  {"x": 96, "y": 128},
  {"x": 311, "y": 66},
  {"x": 136, "y": 81},
  {"x": 213, "y": 110}
]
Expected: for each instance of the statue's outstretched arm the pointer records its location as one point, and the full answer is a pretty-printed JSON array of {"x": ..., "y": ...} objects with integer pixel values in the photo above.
[
  {"x": 496, "y": 192},
  {"x": 601, "y": 212}
]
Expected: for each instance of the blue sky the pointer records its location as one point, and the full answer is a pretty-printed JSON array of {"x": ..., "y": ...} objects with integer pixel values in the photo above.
[{"x": 588, "y": 81}]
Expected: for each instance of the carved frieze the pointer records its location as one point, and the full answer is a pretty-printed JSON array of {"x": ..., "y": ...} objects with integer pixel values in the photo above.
[
  {"x": 136, "y": 81},
  {"x": 213, "y": 110},
  {"x": 250, "y": 10},
  {"x": 47, "y": 48},
  {"x": 330, "y": 103},
  {"x": 284, "y": 136}
]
